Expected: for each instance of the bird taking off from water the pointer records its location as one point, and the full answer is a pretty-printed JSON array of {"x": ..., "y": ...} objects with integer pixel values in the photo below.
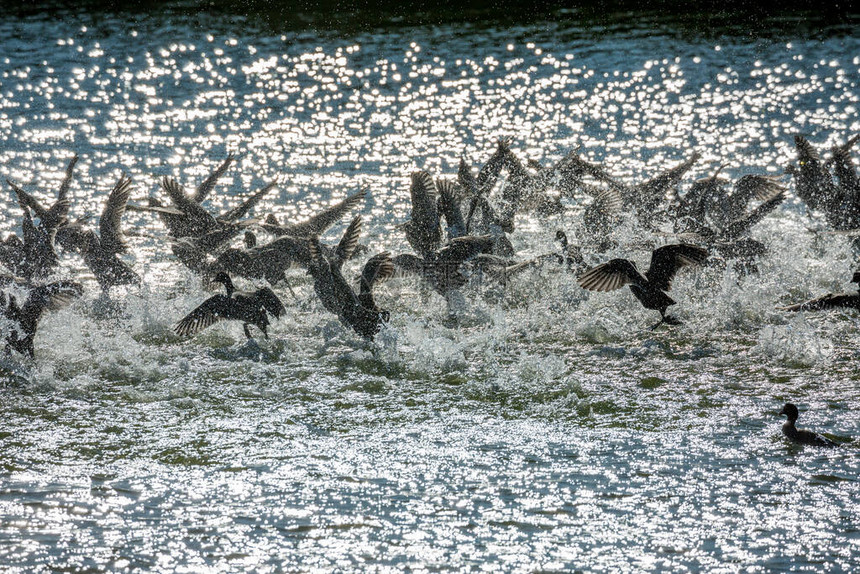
[{"x": 649, "y": 288}]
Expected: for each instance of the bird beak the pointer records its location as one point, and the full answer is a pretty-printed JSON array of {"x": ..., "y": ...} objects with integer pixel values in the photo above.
[{"x": 782, "y": 412}]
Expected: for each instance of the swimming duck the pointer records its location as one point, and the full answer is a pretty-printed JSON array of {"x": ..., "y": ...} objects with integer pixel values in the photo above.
[
  {"x": 829, "y": 301},
  {"x": 251, "y": 308},
  {"x": 26, "y": 317},
  {"x": 801, "y": 436},
  {"x": 650, "y": 288}
]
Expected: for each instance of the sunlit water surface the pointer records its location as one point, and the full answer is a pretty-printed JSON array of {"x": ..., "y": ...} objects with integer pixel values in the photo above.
[{"x": 545, "y": 429}]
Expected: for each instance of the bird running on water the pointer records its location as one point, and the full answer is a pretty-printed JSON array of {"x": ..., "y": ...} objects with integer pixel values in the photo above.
[
  {"x": 250, "y": 308},
  {"x": 649, "y": 288}
]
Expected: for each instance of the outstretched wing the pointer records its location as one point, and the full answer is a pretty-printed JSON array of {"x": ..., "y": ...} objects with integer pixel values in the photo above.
[
  {"x": 209, "y": 312},
  {"x": 110, "y": 224},
  {"x": 609, "y": 276},
  {"x": 666, "y": 260},
  {"x": 246, "y": 206},
  {"x": 50, "y": 297},
  {"x": 377, "y": 269},
  {"x": 449, "y": 206},
  {"x": 464, "y": 248},
  {"x": 208, "y": 184},
  {"x": 348, "y": 242},
  {"x": 760, "y": 187},
  {"x": 67, "y": 181},
  {"x": 29, "y": 200},
  {"x": 740, "y": 226},
  {"x": 319, "y": 223},
  {"x": 423, "y": 194}
]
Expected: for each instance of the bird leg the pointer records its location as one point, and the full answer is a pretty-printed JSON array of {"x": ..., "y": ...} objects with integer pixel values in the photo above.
[
  {"x": 290, "y": 288},
  {"x": 668, "y": 319}
]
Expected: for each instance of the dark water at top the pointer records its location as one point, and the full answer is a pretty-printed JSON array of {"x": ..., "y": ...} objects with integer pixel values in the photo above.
[{"x": 549, "y": 430}]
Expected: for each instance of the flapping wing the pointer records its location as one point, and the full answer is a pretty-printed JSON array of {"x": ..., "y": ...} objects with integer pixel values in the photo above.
[
  {"x": 423, "y": 193},
  {"x": 213, "y": 241},
  {"x": 450, "y": 208},
  {"x": 652, "y": 191},
  {"x": 408, "y": 264},
  {"x": 246, "y": 206},
  {"x": 53, "y": 296},
  {"x": 56, "y": 215},
  {"x": 283, "y": 253},
  {"x": 319, "y": 223},
  {"x": 490, "y": 171},
  {"x": 805, "y": 152},
  {"x": 208, "y": 313},
  {"x": 197, "y": 216},
  {"x": 25, "y": 198},
  {"x": 760, "y": 187},
  {"x": 348, "y": 242},
  {"x": 609, "y": 276},
  {"x": 377, "y": 269},
  {"x": 177, "y": 196},
  {"x": 604, "y": 211},
  {"x": 573, "y": 163},
  {"x": 208, "y": 184},
  {"x": 110, "y": 224},
  {"x": 740, "y": 226},
  {"x": 67, "y": 181},
  {"x": 466, "y": 178},
  {"x": 422, "y": 230},
  {"x": 666, "y": 260},
  {"x": 464, "y": 248}
]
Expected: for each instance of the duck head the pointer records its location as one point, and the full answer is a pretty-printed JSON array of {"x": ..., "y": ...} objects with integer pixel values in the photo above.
[
  {"x": 790, "y": 411},
  {"x": 224, "y": 279}
]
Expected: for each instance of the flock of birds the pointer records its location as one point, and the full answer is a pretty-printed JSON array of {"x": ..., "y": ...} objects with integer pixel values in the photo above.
[{"x": 459, "y": 228}]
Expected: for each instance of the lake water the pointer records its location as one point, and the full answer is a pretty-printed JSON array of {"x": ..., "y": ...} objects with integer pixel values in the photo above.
[{"x": 545, "y": 429}]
